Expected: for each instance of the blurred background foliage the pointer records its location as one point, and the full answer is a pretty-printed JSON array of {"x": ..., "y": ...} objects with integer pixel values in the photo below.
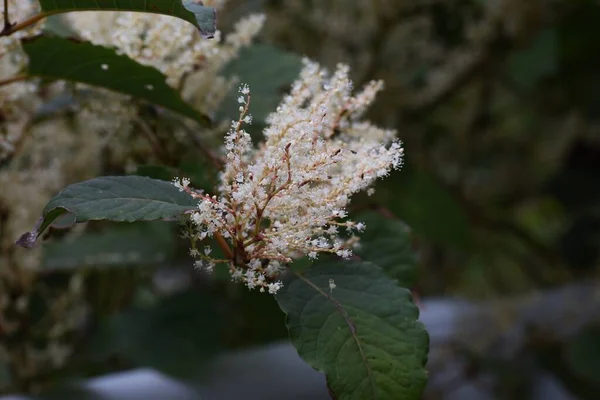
[{"x": 497, "y": 104}]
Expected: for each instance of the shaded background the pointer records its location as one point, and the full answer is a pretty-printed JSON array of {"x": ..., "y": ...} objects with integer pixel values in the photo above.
[{"x": 498, "y": 105}]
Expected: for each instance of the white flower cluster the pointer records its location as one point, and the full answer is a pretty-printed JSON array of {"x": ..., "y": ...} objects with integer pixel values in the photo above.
[{"x": 287, "y": 198}]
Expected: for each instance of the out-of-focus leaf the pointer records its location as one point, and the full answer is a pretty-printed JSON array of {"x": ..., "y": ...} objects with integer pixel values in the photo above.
[
  {"x": 268, "y": 71},
  {"x": 191, "y": 11},
  {"x": 253, "y": 318},
  {"x": 201, "y": 175},
  {"x": 5, "y": 375},
  {"x": 148, "y": 243},
  {"x": 156, "y": 172},
  {"x": 386, "y": 242},
  {"x": 114, "y": 198},
  {"x": 418, "y": 199},
  {"x": 176, "y": 336},
  {"x": 363, "y": 334},
  {"x": 71, "y": 60},
  {"x": 529, "y": 66},
  {"x": 583, "y": 354}
]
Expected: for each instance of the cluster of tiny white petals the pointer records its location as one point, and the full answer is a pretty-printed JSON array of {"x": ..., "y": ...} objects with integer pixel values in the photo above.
[{"x": 288, "y": 197}]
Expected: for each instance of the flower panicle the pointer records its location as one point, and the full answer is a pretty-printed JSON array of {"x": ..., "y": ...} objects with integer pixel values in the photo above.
[{"x": 288, "y": 197}]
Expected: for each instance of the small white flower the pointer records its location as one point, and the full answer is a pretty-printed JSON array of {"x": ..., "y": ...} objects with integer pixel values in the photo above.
[
  {"x": 244, "y": 89},
  {"x": 331, "y": 285},
  {"x": 345, "y": 253},
  {"x": 181, "y": 184},
  {"x": 274, "y": 287}
]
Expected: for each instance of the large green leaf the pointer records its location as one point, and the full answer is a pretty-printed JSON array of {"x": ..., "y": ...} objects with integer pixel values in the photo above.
[
  {"x": 71, "y": 60},
  {"x": 114, "y": 198},
  {"x": 363, "y": 334},
  {"x": 529, "y": 66},
  {"x": 189, "y": 10},
  {"x": 386, "y": 242},
  {"x": 583, "y": 354}
]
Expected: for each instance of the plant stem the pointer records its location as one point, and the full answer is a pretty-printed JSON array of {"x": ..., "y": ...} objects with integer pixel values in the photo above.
[
  {"x": 12, "y": 28},
  {"x": 6, "y": 20},
  {"x": 223, "y": 245},
  {"x": 12, "y": 79}
]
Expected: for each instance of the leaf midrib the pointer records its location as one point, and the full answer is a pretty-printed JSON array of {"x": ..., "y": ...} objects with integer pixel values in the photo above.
[{"x": 351, "y": 325}]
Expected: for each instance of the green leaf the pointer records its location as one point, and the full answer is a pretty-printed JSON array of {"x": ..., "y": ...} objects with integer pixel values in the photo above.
[
  {"x": 191, "y": 11},
  {"x": 430, "y": 210},
  {"x": 114, "y": 198},
  {"x": 176, "y": 336},
  {"x": 268, "y": 71},
  {"x": 363, "y": 334},
  {"x": 386, "y": 242},
  {"x": 118, "y": 246},
  {"x": 252, "y": 318},
  {"x": 156, "y": 172},
  {"x": 5, "y": 375},
  {"x": 583, "y": 354},
  {"x": 530, "y": 65},
  {"x": 71, "y": 60}
]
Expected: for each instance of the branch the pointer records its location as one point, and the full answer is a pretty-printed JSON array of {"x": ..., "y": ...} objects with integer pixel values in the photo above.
[
  {"x": 12, "y": 28},
  {"x": 13, "y": 79},
  {"x": 7, "y": 24}
]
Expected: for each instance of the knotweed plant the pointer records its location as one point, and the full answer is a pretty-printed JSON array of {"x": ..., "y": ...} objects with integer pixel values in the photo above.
[
  {"x": 268, "y": 205},
  {"x": 287, "y": 198}
]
